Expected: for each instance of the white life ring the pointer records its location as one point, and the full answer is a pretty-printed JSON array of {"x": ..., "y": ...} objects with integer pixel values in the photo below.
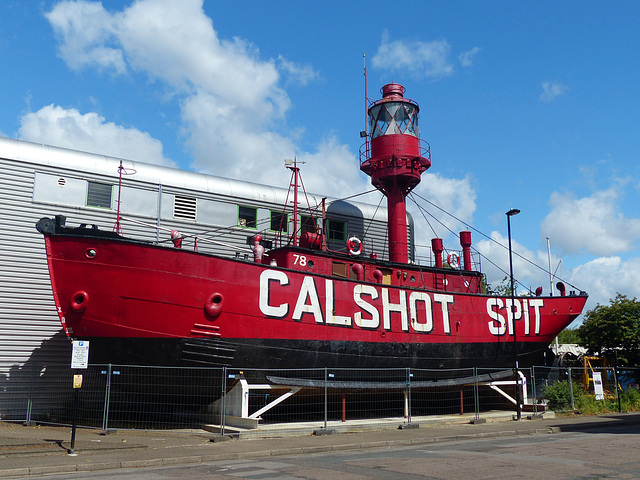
[
  {"x": 354, "y": 246},
  {"x": 453, "y": 260}
]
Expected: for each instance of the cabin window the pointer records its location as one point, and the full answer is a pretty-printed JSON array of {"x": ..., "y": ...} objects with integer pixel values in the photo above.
[
  {"x": 342, "y": 270},
  {"x": 307, "y": 224},
  {"x": 247, "y": 217},
  {"x": 337, "y": 230},
  {"x": 386, "y": 276},
  {"x": 99, "y": 194},
  {"x": 184, "y": 207},
  {"x": 279, "y": 222}
]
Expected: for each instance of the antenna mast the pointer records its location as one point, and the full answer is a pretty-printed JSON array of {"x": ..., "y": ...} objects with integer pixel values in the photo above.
[
  {"x": 366, "y": 104},
  {"x": 550, "y": 273},
  {"x": 121, "y": 171},
  {"x": 366, "y": 96}
]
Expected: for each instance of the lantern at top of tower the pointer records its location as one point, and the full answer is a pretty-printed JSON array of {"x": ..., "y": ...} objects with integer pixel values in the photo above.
[{"x": 393, "y": 114}]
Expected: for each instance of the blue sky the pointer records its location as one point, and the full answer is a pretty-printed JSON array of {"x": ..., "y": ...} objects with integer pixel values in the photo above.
[{"x": 533, "y": 105}]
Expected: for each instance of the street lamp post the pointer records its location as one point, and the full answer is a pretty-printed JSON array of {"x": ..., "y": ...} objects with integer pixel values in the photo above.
[{"x": 510, "y": 213}]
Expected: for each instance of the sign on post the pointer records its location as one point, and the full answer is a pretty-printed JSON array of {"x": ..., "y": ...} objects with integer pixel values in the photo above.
[
  {"x": 80, "y": 354},
  {"x": 79, "y": 360},
  {"x": 597, "y": 385}
]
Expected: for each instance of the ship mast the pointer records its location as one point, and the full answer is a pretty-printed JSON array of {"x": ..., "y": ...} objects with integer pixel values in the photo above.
[
  {"x": 293, "y": 166},
  {"x": 396, "y": 160}
]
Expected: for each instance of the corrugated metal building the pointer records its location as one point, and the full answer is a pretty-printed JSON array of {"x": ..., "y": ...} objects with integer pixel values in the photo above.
[{"x": 39, "y": 180}]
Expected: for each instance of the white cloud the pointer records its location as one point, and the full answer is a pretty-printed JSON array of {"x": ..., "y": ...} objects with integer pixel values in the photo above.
[
  {"x": 54, "y": 125},
  {"x": 552, "y": 90},
  {"x": 334, "y": 162},
  {"x": 228, "y": 141},
  {"x": 85, "y": 31},
  {"x": 299, "y": 74},
  {"x": 590, "y": 224},
  {"x": 232, "y": 106},
  {"x": 176, "y": 43},
  {"x": 602, "y": 278},
  {"x": 428, "y": 59},
  {"x": 495, "y": 263},
  {"x": 466, "y": 58},
  {"x": 454, "y": 197}
]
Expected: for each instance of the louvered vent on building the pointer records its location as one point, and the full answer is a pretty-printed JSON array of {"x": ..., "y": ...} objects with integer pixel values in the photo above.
[
  {"x": 98, "y": 194},
  {"x": 184, "y": 207}
]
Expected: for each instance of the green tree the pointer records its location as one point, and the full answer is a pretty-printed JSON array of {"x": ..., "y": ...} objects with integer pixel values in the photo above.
[
  {"x": 569, "y": 335},
  {"x": 503, "y": 288},
  {"x": 613, "y": 331}
]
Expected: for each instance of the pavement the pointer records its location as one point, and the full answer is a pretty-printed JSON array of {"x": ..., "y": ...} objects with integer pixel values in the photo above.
[{"x": 30, "y": 451}]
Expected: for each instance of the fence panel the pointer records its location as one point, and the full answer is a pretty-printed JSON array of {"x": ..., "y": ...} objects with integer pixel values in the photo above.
[
  {"x": 442, "y": 391},
  {"x": 496, "y": 389},
  {"x": 161, "y": 397},
  {"x": 34, "y": 392}
]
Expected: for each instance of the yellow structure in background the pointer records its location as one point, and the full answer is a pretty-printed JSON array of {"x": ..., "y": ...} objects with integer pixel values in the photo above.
[{"x": 590, "y": 365}]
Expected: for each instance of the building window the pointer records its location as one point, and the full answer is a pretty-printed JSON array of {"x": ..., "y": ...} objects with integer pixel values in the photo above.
[
  {"x": 99, "y": 194},
  {"x": 184, "y": 207},
  {"x": 247, "y": 217},
  {"x": 337, "y": 230},
  {"x": 307, "y": 224},
  {"x": 279, "y": 222}
]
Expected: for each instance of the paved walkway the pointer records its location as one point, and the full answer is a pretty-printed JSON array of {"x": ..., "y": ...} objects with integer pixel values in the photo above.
[{"x": 43, "y": 450}]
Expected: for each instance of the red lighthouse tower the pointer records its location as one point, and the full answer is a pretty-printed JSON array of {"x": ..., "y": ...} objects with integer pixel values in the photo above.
[{"x": 396, "y": 160}]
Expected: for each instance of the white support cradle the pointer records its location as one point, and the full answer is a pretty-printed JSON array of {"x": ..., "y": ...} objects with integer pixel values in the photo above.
[
  {"x": 236, "y": 405},
  {"x": 495, "y": 385}
]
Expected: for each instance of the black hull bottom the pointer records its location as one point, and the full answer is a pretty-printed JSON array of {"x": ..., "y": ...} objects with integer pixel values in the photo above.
[{"x": 297, "y": 354}]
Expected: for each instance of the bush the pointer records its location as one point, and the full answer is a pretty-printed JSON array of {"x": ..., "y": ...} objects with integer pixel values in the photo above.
[
  {"x": 559, "y": 394},
  {"x": 630, "y": 399},
  {"x": 559, "y": 397},
  {"x": 588, "y": 405}
]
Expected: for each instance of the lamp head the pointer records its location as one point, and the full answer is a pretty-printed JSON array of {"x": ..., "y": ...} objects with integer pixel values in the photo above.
[{"x": 512, "y": 212}]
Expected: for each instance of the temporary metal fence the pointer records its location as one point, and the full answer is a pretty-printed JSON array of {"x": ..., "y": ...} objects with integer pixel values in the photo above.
[{"x": 139, "y": 397}]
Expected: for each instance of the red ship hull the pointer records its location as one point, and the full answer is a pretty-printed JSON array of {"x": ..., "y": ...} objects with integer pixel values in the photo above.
[{"x": 147, "y": 304}]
